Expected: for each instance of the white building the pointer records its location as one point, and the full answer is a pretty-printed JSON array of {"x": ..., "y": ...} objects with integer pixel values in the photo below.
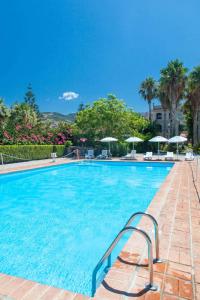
[{"x": 162, "y": 118}]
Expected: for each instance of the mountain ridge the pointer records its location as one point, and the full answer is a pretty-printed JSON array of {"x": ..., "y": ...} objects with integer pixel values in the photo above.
[{"x": 58, "y": 117}]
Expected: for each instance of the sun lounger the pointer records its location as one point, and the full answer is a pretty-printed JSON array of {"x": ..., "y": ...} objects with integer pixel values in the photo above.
[
  {"x": 90, "y": 154},
  {"x": 169, "y": 156},
  {"x": 104, "y": 155},
  {"x": 53, "y": 156},
  {"x": 189, "y": 156},
  {"x": 130, "y": 155},
  {"x": 148, "y": 156}
]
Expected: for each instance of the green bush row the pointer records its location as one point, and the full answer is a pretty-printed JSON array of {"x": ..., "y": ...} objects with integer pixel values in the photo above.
[{"x": 30, "y": 152}]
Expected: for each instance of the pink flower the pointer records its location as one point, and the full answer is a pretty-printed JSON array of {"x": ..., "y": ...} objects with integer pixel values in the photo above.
[
  {"x": 83, "y": 140},
  {"x": 18, "y": 127},
  {"x": 6, "y": 134},
  {"x": 29, "y": 126}
]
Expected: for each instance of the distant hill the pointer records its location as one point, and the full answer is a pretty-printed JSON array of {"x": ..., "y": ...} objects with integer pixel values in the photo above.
[{"x": 55, "y": 117}]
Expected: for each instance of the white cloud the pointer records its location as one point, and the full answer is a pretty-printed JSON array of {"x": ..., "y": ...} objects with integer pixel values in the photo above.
[{"x": 67, "y": 96}]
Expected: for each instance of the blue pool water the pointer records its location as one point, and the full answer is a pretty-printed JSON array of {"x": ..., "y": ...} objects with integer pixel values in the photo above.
[{"x": 57, "y": 222}]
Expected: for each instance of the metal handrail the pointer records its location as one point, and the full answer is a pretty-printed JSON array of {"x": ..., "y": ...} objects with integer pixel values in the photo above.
[
  {"x": 68, "y": 154},
  {"x": 151, "y": 286},
  {"x": 156, "y": 231},
  {"x": 2, "y": 154}
]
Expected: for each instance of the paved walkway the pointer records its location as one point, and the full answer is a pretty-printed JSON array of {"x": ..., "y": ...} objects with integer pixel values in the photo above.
[
  {"x": 32, "y": 165},
  {"x": 177, "y": 209}
]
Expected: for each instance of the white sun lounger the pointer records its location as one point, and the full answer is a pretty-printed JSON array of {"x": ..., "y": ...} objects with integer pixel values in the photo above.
[
  {"x": 104, "y": 155},
  {"x": 189, "y": 156},
  {"x": 148, "y": 156},
  {"x": 130, "y": 155},
  {"x": 53, "y": 156},
  {"x": 169, "y": 156},
  {"x": 90, "y": 154}
]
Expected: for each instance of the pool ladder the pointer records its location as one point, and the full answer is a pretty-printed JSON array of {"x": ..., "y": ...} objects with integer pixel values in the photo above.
[{"x": 125, "y": 229}]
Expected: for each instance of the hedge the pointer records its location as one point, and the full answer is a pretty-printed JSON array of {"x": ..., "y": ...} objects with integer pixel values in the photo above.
[{"x": 30, "y": 152}]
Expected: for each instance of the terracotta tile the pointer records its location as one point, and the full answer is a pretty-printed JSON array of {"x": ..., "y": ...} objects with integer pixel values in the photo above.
[
  {"x": 159, "y": 280},
  {"x": 80, "y": 297},
  {"x": 171, "y": 286},
  {"x": 22, "y": 290},
  {"x": 117, "y": 284},
  {"x": 36, "y": 292},
  {"x": 160, "y": 267},
  {"x": 179, "y": 270},
  {"x": 136, "y": 292},
  {"x": 103, "y": 294},
  {"x": 184, "y": 257},
  {"x": 153, "y": 296},
  {"x": 197, "y": 277},
  {"x": 119, "y": 276},
  {"x": 197, "y": 289},
  {"x": 4, "y": 280},
  {"x": 185, "y": 289},
  {"x": 169, "y": 297},
  {"x": 174, "y": 254},
  {"x": 11, "y": 286},
  {"x": 51, "y": 293},
  {"x": 65, "y": 295}
]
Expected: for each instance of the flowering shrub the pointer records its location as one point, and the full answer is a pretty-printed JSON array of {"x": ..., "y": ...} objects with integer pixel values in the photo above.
[
  {"x": 83, "y": 140},
  {"x": 28, "y": 134}
]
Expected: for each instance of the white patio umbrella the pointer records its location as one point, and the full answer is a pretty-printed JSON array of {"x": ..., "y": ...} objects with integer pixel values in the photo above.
[
  {"x": 158, "y": 139},
  {"x": 176, "y": 140},
  {"x": 133, "y": 139},
  {"x": 108, "y": 140}
]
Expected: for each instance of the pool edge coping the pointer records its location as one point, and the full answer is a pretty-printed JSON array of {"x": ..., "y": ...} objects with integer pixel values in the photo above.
[{"x": 153, "y": 202}]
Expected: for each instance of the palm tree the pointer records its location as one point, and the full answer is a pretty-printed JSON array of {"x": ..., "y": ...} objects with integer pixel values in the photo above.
[
  {"x": 173, "y": 81},
  {"x": 193, "y": 96},
  {"x": 164, "y": 100},
  {"x": 4, "y": 113},
  {"x": 148, "y": 91}
]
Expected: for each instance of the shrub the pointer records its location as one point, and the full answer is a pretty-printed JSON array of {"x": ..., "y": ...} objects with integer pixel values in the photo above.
[{"x": 30, "y": 152}]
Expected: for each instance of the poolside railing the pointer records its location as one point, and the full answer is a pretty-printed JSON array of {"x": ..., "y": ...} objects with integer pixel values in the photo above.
[
  {"x": 11, "y": 156},
  {"x": 149, "y": 286},
  {"x": 127, "y": 227}
]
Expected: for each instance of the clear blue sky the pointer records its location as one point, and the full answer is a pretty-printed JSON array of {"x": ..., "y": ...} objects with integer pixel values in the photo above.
[{"x": 92, "y": 47}]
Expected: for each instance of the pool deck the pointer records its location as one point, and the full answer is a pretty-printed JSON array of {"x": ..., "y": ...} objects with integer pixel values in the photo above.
[{"x": 176, "y": 207}]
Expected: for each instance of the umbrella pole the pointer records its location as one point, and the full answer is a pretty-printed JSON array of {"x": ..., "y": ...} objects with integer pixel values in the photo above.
[
  {"x": 158, "y": 150},
  {"x": 177, "y": 150},
  {"x": 133, "y": 150}
]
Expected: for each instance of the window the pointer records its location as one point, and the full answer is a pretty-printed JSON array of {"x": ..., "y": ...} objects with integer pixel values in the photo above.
[
  {"x": 158, "y": 116},
  {"x": 159, "y": 128}
]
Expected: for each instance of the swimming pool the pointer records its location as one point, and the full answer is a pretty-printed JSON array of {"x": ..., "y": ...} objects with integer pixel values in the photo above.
[{"x": 57, "y": 222}]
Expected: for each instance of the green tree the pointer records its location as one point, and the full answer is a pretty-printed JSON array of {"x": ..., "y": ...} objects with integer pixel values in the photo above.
[
  {"x": 148, "y": 90},
  {"x": 164, "y": 100},
  {"x": 23, "y": 114},
  {"x": 173, "y": 81},
  {"x": 109, "y": 117},
  {"x": 4, "y": 113},
  {"x": 187, "y": 110},
  {"x": 29, "y": 99},
  {"x": 81, "y": 106},
  {"x": 193, "y": 102}
]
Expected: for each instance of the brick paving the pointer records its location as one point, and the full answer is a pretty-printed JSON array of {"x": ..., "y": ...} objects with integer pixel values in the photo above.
[{"x": 177, "y": 209}]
